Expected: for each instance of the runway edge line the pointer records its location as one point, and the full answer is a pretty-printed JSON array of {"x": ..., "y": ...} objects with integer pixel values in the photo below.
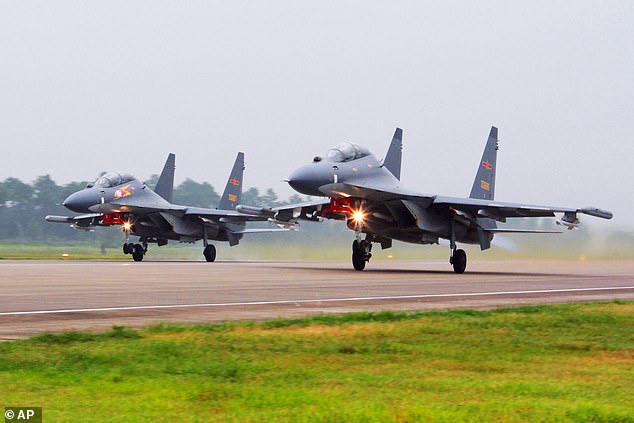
[{"x": 317, "y": 300}]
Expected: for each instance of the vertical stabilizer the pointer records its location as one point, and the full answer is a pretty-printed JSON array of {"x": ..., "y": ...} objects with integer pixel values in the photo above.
[
  {"x": 394, "y": 154},
  {"x": 165, "y": 184},
  {"x": 484, "y": 183},
  {"x": 233, "y": 190}
]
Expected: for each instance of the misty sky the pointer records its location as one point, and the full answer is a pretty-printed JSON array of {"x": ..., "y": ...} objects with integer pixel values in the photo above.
[{"x": 93, "y": 86}]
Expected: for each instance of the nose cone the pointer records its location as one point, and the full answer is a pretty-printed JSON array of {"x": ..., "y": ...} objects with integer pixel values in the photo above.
[
  {"x": 81, "y": 201},
  {"x": 307, "y": 179}
]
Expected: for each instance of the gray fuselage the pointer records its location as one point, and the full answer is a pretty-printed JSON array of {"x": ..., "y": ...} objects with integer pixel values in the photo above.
[
  {"x": 139, "y": 204},
  {"x": 395, "y": 218}
]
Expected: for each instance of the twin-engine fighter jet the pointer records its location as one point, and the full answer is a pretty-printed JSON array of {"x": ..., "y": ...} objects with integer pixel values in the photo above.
[
  {"x": 120, "y": 199},
  {"x": 368, "y": 195}
]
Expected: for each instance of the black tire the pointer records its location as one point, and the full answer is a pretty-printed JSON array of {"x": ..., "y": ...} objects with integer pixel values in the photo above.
[
  {"x": 126, "y": 250},
  {"x": 459, "y": 261},
  {"x": 210, "y": 253},
  {"x": 137, "y": 252},
  {"x": 358, "y": 256}
]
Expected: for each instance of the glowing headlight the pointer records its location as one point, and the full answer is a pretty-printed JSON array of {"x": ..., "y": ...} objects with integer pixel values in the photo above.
[{"x": 126, "y": 226}]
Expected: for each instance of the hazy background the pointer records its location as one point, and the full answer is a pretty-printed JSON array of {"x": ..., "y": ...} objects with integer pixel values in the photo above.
[{"x": 93, "y": 86}]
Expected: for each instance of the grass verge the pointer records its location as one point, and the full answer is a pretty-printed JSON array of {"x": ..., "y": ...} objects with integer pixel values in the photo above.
[{"x": 538, "y": 363}]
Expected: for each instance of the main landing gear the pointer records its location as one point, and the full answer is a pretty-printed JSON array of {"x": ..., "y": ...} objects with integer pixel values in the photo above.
[
  {"x": 137, "y": 250},
  {"x": 458, "y": 257},
  {"x": 458, "y": 260},
  {"x": 209, "y": 252}
]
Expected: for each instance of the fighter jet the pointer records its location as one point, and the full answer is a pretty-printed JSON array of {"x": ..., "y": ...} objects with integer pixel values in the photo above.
[
  {"x": 368, "y": 195},
  {"x": 119, "y": 199}
]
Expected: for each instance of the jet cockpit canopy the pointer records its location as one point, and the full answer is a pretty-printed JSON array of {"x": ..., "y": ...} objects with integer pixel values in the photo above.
[
  {"x": 112, "y": 179},
  {"x": 346, "y": 152}
]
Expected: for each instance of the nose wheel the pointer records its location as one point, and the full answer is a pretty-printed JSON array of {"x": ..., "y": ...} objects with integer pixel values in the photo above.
[
  {"x": 361, "y": 253},
  {"x": 137, "y": 250}
]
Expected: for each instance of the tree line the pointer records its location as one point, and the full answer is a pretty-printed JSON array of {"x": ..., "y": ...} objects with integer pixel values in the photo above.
[{"x": 23, "y": 206}]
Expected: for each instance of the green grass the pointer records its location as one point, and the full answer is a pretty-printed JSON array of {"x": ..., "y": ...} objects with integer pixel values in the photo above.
[
  {"x": 543, "y": 363},
  {"x": 51, "y": 252}
]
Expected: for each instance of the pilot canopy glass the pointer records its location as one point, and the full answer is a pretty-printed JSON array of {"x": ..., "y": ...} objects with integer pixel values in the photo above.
[
  {"x": 346, "y": 152},
  {"x": 112, "y": 179}
]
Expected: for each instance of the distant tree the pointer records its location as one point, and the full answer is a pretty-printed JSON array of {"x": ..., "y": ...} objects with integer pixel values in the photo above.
[
  {"x": 71, "y": 187},
  {"x": 251, "y": 197},
  {"x": 192, "y": 193},
  {"x": 17, "y": 192},
  {"x": 295, "y": 199},
  {"x": 152, "y": 181},
  {"x": 269, "y": 199},
  {"x": 17, "y": 209},
  {"x": 46, "y": 192}
]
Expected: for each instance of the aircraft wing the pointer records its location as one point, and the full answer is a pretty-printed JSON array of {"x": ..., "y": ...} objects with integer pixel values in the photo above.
[
  {"x": 501, "y": 210},
  {"x": 222, "y": 215},
  {"x": 130, "y": 206},
  {"x": 375, "y": 193}
]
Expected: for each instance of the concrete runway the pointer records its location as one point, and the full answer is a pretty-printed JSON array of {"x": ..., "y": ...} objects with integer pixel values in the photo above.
[{"x": 41, "y": 296}]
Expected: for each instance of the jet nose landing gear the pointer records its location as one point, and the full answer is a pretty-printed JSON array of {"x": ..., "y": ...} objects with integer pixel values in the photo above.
[
  {"x": 137, "y": 250},
  {"x": 361, "y": 253}
]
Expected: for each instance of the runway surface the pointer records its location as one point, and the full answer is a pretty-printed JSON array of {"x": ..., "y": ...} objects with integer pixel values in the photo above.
[{"x": 42, "y": 296}]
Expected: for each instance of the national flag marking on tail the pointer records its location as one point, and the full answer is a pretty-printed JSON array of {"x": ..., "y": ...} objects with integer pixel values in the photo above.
[
  {"x": 232, "y": 198},
  {"x": 487, "y": 165},
  {"x": 485, "y": 185},
  {"x": 234, "y": 182}
]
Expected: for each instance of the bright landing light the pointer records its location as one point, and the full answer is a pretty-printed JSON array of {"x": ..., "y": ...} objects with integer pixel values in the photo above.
[
  {"x": 126, "y": 226},
  {"x": 358, "y": 216}
]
